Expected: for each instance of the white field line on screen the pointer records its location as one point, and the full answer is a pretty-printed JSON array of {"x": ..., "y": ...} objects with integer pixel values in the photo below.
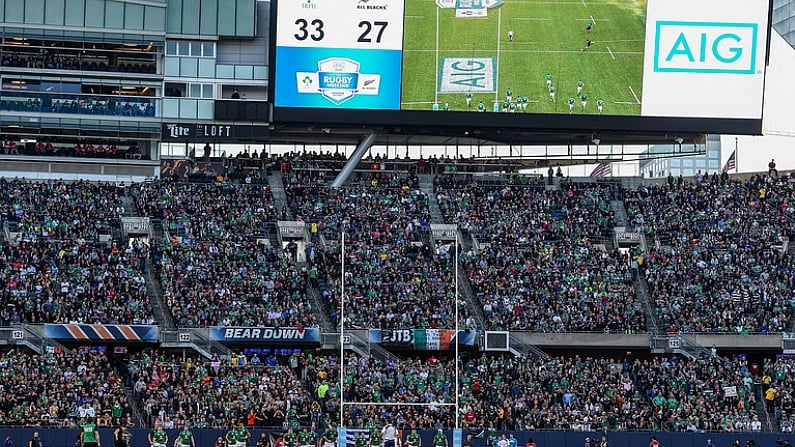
[
  {"x": 497, "y": 64},
  {"x": 626, "y": 103},
  {"x": 415, "y": 17},
  {"x": 539, "y": 19},
  {"x": 583, "y": 3},
  {"x": 611, "y": 53},
  {"x": 634, "y": 94},
  {"x": 593, "y": 20},
  {"x": 590, "y": 19},
  {"x": 416, "y": 103},
  {"x": 436, "y": 73},
  {"x": 630, "y": 53},
  {"x": 622, "y": 40},
  {"x": 558, "y": 3}
]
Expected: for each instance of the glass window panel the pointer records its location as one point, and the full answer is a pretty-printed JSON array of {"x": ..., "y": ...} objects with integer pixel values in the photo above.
[
  {"x": 687, "y": 172},
  {"x": 114, "y": 14},
  {"x": 171, "y": 108},
  {"x": 714, "y": 164},
  {"x": 34, "y": 11},
  {"x": 172, "y": 66},
  {"x": 225, "y": 71},
  {"x": 187, "y": 108},
  {"x": 714, "y": 154},
  {"x": 171, "y": 48},
  {"x": 174, "y": 16},
  {"x": 154, "y": 18},
  {"x": 134, "y": 16},
  {"x": 261, "y": 73},
  {"x": 189, "y": 67},
  {"x": 208, "y": 49},
  {"x": 196, "y": 49},
  {"x": 701, "y": 163},
  {"x": 226, "y": 21},
  {"x": 190, "y": 16},
  {"x": 244, "y": 72},
  {"x": 195, "y": 91},
  {"x": 183, "y": 49},
  {"x": 209, "y": 22},
  {"x": 687, "y": 162},
  {"x": 95, "y": 13},
  {"x": 205, "y": 110},
  {"x": 53, "y": 14},
  {"x": 207, "y": 91},
  {"x": 206, "y": 68},
  {"x": 676, "y": 163},
  {"x": 15, "y": 11},
  {"x": 75, "y": 12},
  {"x": 245, "y": 18}
]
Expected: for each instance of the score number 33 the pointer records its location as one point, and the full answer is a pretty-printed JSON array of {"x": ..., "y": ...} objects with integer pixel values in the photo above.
[{"x": 314, "y": 30}]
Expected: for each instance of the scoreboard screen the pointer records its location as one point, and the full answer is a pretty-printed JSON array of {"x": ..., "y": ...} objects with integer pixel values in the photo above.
[{"x": 622, "y": 65}]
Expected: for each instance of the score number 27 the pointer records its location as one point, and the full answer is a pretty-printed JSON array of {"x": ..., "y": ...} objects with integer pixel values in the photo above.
[{"x": 314, "y": 30}]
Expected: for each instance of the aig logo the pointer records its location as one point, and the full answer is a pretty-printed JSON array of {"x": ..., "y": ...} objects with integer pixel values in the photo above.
[{"x": 705, "y": 47}]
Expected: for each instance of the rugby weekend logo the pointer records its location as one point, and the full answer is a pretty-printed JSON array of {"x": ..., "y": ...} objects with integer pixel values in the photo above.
[
  {"x": 338, "y": 80},
  {"x": 706, "y": 47}
]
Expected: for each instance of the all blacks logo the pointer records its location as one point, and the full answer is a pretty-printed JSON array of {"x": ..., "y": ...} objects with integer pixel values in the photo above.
[{"x": 366, "y": 4}]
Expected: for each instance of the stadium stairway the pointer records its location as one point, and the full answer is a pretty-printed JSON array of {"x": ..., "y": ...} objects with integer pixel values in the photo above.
[
  {"x": 135, "y": 404},
  {"x": 639, "y": 284},
  {"x": 426, "y": 186},
  {"x": 277, "y": 190},
  {"x": 769, "y": 424},
  {"x": 130, "y": 208},
  {"x": 162, "y": 315},
  {"x": 642, "y": 292},
  {"x": 152, "y": 275},
  {"x": 319, "y": 307},
  {"x": 619, "y": 213}
]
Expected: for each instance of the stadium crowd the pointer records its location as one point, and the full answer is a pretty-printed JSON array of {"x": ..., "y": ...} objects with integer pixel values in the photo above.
[
  {"x": 394, "y": 276},
  {"x": 215, "y": 393},
  {"x": 61, "y": 388},
  {"x": 59, "y": 271},
  {"x": 544, "y": 267},
  {"x": 214, "y": 272},
  {"x": 75, "y": 59},
  {"x": 576, "y": 393},
  {"x": 717, "y": 263},
  {"x": 714, "y": 264}
]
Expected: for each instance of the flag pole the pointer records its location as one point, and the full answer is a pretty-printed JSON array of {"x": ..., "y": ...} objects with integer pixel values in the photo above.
[{"x": 736, "y": 157}]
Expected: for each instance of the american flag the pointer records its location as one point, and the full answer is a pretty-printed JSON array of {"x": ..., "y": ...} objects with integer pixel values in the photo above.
[
  {"x": 731, "y": 163},
  {"x": 602, "y": 170}
]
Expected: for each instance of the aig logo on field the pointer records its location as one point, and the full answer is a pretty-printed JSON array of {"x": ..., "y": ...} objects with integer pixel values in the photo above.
[{"x": 706, "y": 47}]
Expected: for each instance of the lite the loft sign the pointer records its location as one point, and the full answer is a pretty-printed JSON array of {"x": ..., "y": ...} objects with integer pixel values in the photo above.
[{"x": 177, "y": 131}]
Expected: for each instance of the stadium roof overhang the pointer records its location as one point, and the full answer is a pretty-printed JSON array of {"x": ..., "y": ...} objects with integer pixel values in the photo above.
[{"x": 406, "y": 136}]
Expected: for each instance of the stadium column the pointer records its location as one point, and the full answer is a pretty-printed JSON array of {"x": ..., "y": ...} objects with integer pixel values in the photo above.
[{"x": 354, "y": 160}]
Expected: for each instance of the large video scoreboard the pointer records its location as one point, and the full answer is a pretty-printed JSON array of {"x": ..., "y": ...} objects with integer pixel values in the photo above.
[{"x": 618, "y": 65}]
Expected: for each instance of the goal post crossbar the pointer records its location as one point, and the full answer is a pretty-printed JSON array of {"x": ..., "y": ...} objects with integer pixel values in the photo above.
[{"x": 401, "y": 404}]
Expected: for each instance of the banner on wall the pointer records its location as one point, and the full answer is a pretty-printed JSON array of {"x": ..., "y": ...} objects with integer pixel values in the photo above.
[
  {"x": 280, "y": 335},
  {"x": 421, "y": 339},
  {"x": 102, "y": 332}
]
